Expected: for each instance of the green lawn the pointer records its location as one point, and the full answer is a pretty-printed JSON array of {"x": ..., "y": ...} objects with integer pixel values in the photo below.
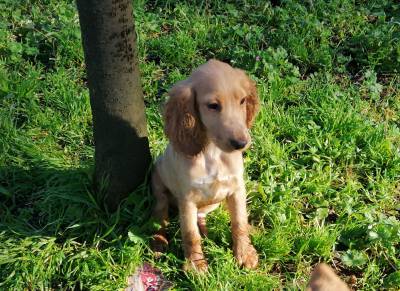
[{"x": 323, "y": 174}]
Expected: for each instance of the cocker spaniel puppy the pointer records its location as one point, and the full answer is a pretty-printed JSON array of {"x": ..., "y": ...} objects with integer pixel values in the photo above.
[{"x": 207, "y": 120}]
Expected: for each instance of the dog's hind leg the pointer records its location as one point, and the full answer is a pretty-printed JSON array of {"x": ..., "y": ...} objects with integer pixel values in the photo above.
[{"x": 159, "y": 242}]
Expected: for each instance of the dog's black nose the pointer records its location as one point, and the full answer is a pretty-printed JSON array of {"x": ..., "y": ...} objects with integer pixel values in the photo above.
[{"x": 238, "y": 144}]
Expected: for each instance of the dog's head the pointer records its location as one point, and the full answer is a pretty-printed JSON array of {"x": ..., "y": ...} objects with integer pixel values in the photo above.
[{"x": 216, "y": 103}]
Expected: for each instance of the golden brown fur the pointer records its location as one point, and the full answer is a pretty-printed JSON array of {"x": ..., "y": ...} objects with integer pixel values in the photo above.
[
  {"x": 207, "y": 118},
  {"x": 184, "y": 129},
  {"x": 323, "y": 278}
]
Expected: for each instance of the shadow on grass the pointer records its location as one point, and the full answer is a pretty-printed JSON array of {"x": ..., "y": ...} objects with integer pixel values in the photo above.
[{"x": 59, "y": 202}]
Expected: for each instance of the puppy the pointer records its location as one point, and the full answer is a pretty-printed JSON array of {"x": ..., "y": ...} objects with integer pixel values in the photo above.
[{"x": 207, "y": 120}]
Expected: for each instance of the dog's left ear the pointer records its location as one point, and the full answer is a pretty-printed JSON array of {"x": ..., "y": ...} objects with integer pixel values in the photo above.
[
  {"x": 252, "y": 101},
  {"x": 183, "y": 125}
]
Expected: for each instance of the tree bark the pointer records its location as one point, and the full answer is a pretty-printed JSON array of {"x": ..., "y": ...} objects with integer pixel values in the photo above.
[{"x": 122, "y": 154}]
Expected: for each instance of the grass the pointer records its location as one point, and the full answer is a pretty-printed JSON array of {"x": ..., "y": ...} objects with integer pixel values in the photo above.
[{"x": 323, "y": 175}]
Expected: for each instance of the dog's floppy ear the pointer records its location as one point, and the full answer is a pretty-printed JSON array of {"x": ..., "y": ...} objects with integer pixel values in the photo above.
[
  {"x": 252, "y": 102},
  {"x": 182, "y": 122}
]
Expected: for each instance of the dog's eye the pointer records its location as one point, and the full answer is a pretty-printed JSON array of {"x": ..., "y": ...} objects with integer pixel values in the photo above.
[
  {"x": 243, "y": 101},
  {"x": 214, "y": 106}
]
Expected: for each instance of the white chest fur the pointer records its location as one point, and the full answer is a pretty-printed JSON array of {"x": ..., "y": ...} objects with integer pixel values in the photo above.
[
  {"x": 215, "y": 187},
  {"x": 208, "y": 178},
  {"x": 212, "y": 177}
]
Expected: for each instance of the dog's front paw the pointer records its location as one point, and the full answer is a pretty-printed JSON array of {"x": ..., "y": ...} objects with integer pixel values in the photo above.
[
  {"x": 196, "y": 262},
  {"x": 199, "y": 266},
  {"x": 246, "y": 255}
]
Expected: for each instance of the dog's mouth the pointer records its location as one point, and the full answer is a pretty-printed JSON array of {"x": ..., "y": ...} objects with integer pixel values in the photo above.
[{"x": 229, "y": 145}]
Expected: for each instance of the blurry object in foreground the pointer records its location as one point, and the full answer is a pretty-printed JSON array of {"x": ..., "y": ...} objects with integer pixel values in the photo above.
[
  {"x": 147, "y": 278},
  {"x": 323, "y": 278}
]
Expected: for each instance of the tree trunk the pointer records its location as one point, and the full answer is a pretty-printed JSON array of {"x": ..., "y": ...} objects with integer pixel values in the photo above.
[{"x": 122, "y": 154}]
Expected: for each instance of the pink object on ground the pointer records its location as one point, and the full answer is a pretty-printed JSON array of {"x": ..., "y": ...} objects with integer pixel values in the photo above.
[{"x": 147, "y": 278}]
